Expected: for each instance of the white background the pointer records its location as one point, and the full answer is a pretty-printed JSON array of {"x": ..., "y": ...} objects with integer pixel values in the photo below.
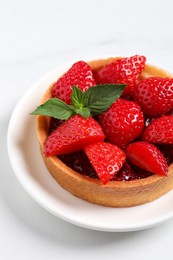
[{"x": 35, "y": 37}]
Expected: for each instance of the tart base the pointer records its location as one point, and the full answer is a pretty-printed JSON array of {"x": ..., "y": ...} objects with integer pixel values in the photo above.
[{"x": 114, "y": 193}]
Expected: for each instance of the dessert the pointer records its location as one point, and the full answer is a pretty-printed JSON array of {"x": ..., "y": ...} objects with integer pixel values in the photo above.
[{"x": 105, "y": 131}]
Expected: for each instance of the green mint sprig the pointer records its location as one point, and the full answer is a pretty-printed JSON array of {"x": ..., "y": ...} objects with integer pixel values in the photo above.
[{"x": 92, "y": 102}]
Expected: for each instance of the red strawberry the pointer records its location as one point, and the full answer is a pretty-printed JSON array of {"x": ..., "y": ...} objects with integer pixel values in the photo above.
[
  {"x": 155, "y": 95},
  {"x": 107, "y": 159},
  {"x": 122, "y": 122},
  {"x": 159, "y": 131},
  {"x": 125, "y": 70},
  {"x": 80, "y": 75},
  {"x": 148, "y": 157},
  {"x": 73, "y": 135}
]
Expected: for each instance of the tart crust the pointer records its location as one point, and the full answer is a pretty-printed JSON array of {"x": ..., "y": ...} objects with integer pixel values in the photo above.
[{"x": 114, "y": 193}]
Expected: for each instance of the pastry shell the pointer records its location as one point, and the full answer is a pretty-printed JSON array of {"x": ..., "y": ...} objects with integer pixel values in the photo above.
[{"x": 114, "y": 193}]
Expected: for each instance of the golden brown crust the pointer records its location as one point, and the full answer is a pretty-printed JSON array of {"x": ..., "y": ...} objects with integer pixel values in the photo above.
[{"x": 114, "y": 193}]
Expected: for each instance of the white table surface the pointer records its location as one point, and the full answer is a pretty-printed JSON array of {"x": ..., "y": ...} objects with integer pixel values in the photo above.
[{"x": 35, "y": 37}]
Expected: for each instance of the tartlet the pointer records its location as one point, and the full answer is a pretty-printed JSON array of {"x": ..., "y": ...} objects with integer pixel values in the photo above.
[{"x": 114, "y": 193}]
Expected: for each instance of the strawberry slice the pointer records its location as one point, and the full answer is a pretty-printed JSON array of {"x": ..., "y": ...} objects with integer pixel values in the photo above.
[
  {"x": 126, "y": 70},
  {"x": 148, "y": 157},
  {"x": 122, "y": 122},
  {"x": 155, "y": 95},
  {"x": 107, "y": 159},
  {"x": 79, "y": 75},
  {"x": 73, "y": 135},
  {"x": 159, "y": 131}
]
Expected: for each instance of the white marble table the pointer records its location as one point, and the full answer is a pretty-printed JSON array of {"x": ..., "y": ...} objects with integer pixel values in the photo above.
[{"x": 35, "y": 37}]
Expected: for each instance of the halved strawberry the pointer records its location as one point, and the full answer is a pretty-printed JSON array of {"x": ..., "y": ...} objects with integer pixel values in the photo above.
[
  {"x": 126, "y": 70},
  {"x": 122, "y": 122},
  {"x": 73, "y": 135},
  {"x": 159, "y": 131},
  {"x": 154, "y": 95},
  {"x": 79, "y": 75},
  {"x": 107, "y": 159},
  {"x": 148, "y": 157}
]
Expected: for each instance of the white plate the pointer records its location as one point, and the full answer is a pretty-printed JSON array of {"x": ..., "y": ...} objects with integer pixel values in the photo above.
[{"x": 29, "y": 168}]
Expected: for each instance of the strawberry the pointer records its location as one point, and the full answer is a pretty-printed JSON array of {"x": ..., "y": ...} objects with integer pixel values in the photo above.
[
  {"x": 148, "y": 157},
  {"x": 107, "y": 159},
  {"x": 73, "y": 135},
  {"x": 125, "y": 70},
  {"x": 122, "y": 122},
  {"x": 155, "y": 95},
  {"x": 159, "y": 131},
  {"x": 80, "y": 75}
]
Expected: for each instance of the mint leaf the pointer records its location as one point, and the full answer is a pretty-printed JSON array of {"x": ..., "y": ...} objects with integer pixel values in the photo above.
[
  {"x": 94, "y": 101},
  {"x": 77, "y": 97},
  {"x": 85, "y": 112},
  {"x": 99, "y": 98},
  {"x": 56, "y": 108}
]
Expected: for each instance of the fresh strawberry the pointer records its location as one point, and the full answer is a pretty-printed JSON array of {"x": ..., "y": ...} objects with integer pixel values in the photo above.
[
  {"x": 126, "y": 70},
  {"x": 107, "y": 159},
  {"x": 148, "y": 157},
  {"x": 122, "y": 122},
  {"x": 159, "y": 131},
  {"x": 155, "y": 95},
  {"x": 80, "y": 75},
  {"x": 73, "y": 135}
]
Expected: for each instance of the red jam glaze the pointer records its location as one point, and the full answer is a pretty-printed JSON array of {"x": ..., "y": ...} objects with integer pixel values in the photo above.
[{"x": 80, "y": 163}]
